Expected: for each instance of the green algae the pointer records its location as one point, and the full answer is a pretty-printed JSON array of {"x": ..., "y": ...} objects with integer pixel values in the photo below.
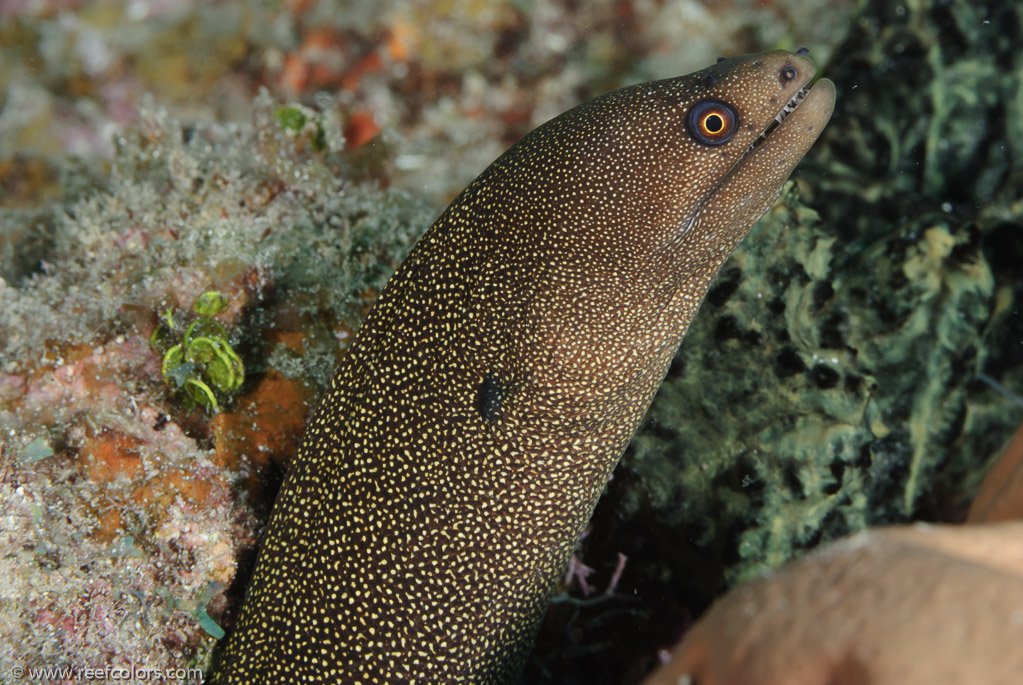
[
  {"x": 203, "y": 364},
  {"x": 834, "y": 378},
  {"x": 37, "y": 450},
  {"x": 210, "y": 303},
  {"x": 291, "y": 118},
  {"x": 303, "y": 122},
  {"x": 807, "y": 403},
  {"x": 201, "y": 613}
]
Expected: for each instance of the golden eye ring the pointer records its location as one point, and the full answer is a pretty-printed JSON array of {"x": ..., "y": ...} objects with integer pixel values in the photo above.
[{"x": 712, "y": 122}]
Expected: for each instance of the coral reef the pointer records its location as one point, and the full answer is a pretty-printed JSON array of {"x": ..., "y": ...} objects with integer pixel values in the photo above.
[
  {"x": 849, "y": 368},
  {"x": 125, "y": 514}
]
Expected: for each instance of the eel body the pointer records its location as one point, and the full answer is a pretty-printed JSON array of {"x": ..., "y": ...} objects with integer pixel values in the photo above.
[{"x": 462, "y": 444}]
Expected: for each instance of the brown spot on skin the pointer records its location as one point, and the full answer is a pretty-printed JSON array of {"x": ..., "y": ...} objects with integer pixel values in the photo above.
[{"x": 420, "y": 532}]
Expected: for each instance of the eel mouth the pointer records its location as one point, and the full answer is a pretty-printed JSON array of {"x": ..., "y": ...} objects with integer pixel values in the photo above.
[{"x": 788, "y": 109}]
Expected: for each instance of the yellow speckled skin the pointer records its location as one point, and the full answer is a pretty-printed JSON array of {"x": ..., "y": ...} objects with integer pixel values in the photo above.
[{"x": 459, "y": 451}]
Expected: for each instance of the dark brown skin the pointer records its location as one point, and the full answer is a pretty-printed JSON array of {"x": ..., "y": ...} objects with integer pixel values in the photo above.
[{"x": 461, "y": 447}]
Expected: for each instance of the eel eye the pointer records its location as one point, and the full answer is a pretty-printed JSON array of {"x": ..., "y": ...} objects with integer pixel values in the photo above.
[{"x": 712, "y": 122}]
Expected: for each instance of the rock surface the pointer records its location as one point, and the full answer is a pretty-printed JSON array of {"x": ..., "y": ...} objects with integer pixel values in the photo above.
[{"x": 916, "y": 604}]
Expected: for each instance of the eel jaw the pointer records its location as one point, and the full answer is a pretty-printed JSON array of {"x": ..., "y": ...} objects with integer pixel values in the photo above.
[
  {"x": 788, "y": 109},
  {"x": 794, "y": 128}
]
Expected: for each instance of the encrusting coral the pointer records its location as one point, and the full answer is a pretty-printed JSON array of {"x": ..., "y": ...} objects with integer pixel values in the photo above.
[{"x": 122, "y": 529}]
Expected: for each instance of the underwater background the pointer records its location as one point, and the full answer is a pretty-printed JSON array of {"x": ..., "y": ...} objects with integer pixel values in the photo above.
[{"x": 200, "y": 201}]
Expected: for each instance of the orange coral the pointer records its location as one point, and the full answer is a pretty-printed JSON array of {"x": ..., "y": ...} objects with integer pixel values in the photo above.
[
  {"x": 360, "y": 128},
  {"x": 162, "y": 490},
  {"x": 266, "y": 424},
  {"x": 109, "y": 455},
  {"x": 402, "y": 40}
]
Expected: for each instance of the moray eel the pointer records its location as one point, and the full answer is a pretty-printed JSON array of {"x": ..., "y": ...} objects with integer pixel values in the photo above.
[{"x": 462, "y": 444}]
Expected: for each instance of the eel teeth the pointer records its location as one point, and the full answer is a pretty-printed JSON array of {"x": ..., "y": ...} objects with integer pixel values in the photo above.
[
  {"x": 792, "y": 104},
  {"x": 789, "y": 107}
]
